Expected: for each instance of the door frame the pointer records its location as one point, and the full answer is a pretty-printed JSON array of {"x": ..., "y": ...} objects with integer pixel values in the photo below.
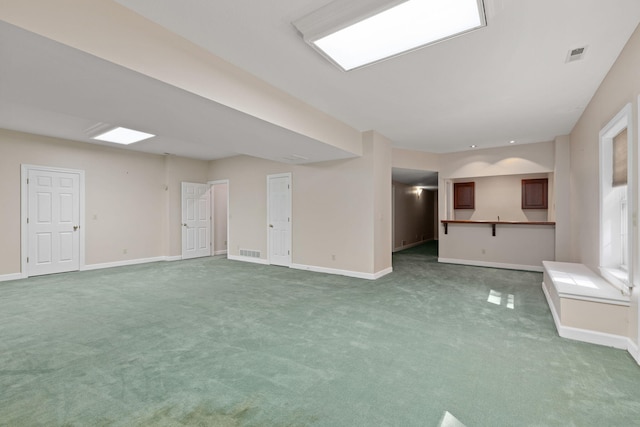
[
  {"x": 289, "y": 237},
  {"x": 212, "y": 185},
  {"x": 24, "y": 212}
]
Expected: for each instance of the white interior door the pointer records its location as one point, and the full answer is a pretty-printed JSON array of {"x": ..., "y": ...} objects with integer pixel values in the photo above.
[
  {"x": 279, "y": 219},
  {"x": 53, "y": 222},
  {"x": 196, "y": 220}
]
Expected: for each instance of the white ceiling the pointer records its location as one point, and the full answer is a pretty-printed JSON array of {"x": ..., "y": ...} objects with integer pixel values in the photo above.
[{"x": 508, "y": 81}]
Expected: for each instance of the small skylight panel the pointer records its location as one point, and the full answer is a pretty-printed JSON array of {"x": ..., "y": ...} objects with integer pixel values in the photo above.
[
  {"x": 404, "y": 27},
  {"x": 124, "y": 136}
]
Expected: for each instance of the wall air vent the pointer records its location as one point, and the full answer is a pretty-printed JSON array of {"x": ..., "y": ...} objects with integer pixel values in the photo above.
[
  {"x": 576, "y": 54},
  {"x": 249, "y": 253}
]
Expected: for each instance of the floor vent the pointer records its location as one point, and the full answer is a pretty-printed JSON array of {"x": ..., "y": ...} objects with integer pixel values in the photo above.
[{"x": 249, "y": 253}]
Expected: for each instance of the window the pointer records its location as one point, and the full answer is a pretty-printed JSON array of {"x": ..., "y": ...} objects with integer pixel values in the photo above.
[{"x": 615, "y": 198}]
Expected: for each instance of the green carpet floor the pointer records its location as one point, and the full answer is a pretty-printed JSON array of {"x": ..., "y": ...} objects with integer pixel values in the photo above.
[{"x": 213, "y": 342}]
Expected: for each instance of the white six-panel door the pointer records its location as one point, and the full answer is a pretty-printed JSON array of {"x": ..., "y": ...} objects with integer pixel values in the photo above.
[
  {"x": 279, "y": 219},
  {"x": 196, "y": 220},
  {"x": 53, "y": 221}
]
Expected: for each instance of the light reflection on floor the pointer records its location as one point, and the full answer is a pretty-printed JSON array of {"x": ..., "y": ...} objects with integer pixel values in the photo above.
[
  {"x": 495, "y": 297},
  {"x": 449, "y": 420}
]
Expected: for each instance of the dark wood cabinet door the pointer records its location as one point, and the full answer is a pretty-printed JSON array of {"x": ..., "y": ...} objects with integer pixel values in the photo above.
[
  {"x": 534, "y": 193},
  {"x": 464, "y": 195}
]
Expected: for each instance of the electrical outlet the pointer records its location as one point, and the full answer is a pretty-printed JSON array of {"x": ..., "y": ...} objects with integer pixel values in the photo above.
[
  {"x": 484, "y": 251},
  {"x": 333, "y": 257},
  {"x": 124, "y": 251}
]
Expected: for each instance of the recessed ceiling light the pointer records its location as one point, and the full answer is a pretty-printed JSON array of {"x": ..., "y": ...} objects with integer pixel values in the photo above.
[
  {"x": 390, "y": 29},
  {"x": 512, "y": 142},
  {"x": 124, "y": 136},
  {"x": 473, "y": 146}
]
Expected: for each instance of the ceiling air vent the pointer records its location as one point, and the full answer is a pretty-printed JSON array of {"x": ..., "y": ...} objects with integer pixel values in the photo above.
[{"x": 576, "y": 54}]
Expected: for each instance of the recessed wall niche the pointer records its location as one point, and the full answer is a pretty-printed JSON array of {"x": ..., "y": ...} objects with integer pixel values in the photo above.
[{"x": 499, "y": 198}]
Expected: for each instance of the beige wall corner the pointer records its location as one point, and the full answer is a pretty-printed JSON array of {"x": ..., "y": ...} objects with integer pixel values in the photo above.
[
  {"x": 220, "y": 213},
  {"x": 110, "y": 31},
  {"x": 381, "y": 151},
  {"x": 562, "y": 198}
]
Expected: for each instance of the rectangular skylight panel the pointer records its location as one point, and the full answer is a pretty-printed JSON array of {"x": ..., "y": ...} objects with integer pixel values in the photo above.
[
  {"x": 407, "y": 26},
  {"x": 124, "y": 136}
]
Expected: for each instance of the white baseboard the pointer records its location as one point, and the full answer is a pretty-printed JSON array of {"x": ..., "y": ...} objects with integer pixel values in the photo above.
[
  {"x": 585, "y": 335},
  {"x": 222, "y": 252},
  {"x": 348, "y": 273},
  {"x": 173, "y": 258},
  {"x": 7, "y": 277},
  {"x": 634, "y": 350},
  {"x": 594, "y": 337},
  {"x": 123, "y": 263},
  {"x": 474, "y": 263},
  {"x": 248, "y": 259},
  {"x": 382, "y": 273}
]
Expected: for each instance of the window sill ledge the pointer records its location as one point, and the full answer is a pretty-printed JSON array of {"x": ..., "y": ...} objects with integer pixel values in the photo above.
[{"x": 577, "y": 281}]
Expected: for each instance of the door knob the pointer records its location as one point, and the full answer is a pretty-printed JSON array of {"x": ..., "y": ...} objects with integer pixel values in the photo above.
[
  {"x": 271, "y": 225},
  {"x": 75, "y": 227},
  {"x": 184, "y": 225}
]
